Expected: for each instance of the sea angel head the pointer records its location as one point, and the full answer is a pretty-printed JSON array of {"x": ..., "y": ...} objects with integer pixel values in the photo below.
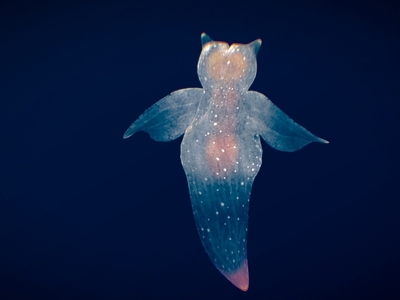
[{"x": 220, "y": 64}]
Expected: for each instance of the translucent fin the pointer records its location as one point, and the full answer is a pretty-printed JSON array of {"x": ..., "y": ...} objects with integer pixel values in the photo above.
[
  {"x": 168, "y": 119},
  {"x": 274, "y": 126}
]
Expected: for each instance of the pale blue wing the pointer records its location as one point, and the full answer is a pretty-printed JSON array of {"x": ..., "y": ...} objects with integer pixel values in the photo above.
[
  {"x": 168, "y": 119},
  {"x": 274, "y": 126}
]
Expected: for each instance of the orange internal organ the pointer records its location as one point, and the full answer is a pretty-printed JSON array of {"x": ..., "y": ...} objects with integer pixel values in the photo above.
[
  {"x": 226, "y": 65},
  {"x": 222, "y": 154}
]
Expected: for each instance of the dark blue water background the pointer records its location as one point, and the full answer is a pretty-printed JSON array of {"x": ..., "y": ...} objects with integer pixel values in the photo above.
[{"x": 85, "y": 214}]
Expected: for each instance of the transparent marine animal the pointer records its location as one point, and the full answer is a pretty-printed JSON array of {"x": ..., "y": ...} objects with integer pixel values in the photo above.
[{"x": 221, "y": 150}]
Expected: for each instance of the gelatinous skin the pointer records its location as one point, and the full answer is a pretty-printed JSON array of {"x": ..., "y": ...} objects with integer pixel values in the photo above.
[{"x": 221, "y": 150}]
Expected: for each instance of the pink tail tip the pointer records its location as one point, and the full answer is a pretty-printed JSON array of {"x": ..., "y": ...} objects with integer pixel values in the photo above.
[{"x": 239, "y": 277}]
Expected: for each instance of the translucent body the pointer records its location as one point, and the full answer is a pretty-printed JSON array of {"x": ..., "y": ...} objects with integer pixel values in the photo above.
[{"x": 221, "y": 151}]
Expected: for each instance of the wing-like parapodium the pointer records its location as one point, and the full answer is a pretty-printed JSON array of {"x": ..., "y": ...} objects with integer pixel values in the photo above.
[
  {"x": 168, "y": 119},
  {"x": 274, "y": 126}
]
